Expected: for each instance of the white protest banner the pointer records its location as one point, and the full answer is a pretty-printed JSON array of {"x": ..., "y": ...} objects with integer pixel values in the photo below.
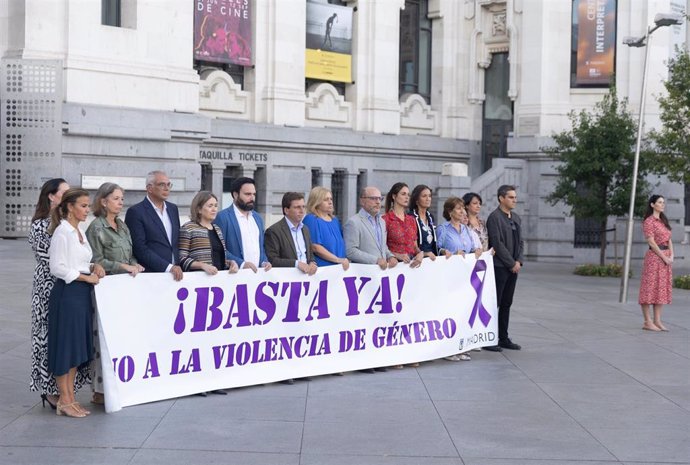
[{"x": 161, "y": 339}]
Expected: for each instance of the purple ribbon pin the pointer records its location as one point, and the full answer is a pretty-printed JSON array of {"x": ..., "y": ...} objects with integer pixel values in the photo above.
[{"x": 478, "y": 285}]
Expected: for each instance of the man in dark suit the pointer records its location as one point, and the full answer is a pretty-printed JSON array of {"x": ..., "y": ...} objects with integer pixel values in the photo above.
[
  {"x": 243, "y": 227},
  {"x": 505, "y": 237},
  {"x": 288, "y": 242},
  {"x": 154, "y": 224}
]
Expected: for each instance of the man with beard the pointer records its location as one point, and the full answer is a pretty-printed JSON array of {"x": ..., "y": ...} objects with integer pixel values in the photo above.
[{"x": 243, "y": 228}]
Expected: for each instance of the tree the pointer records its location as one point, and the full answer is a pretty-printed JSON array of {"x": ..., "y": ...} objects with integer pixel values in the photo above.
[
  {"x": 673, "y": 140},
  {"x": 596, "y": 164}
]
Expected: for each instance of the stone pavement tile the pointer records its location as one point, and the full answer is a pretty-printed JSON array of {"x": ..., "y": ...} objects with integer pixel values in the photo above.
[
  {"x": 246, "y": 404},
  {"x": 22, "y": 351},
  {"x": 15, "y": 369},
  {"x": 45, "y": 429},
  {"x": 390, "y": 385},
  {"x": 616, "y": 406},
  {"x": 152, "y": 409},
  {"x": 368, "y": 437},
  {"x": 480, "y": 389},
  {"x": 321, "y": 459},
  {"x": 216, "y": 432},
  {"x": 484, "y": 461},
  {"x": 644, "y": 361},
  {"x": 533, "y": 429},
  {"x": 65, "y": 455},
  {"x": 377, "y": 410},
  {"x": 9, "y": 340},
  {"x": 680, "y": 395},
  {"x": 15, "y": 397},
  {"x": 490, "y": 366},
  {"x": 565, "y": 363},
  {"x": 646, "y": 444},
  {"x": 206, "y": 457},
  {"x": 6, "y": 418}
]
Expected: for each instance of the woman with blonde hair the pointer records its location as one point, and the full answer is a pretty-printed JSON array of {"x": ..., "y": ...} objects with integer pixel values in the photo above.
[
  {"x": 327, "y": 240},
  {"x": 111, "y": 244}
]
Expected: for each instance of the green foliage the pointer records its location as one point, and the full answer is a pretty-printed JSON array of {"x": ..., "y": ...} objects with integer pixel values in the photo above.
[
  {"x": 682, "y": 282},
  {"x": 613, "y": 271},
  {"x": 597, "y": 162},
  {"x": 673, "y": 140}
]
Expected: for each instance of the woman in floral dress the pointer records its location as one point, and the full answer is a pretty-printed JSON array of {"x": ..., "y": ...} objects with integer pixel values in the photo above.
[{"x": 655, "y": 285}]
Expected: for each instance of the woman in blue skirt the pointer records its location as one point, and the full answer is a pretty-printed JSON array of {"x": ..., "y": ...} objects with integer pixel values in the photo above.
[{"x": 70, "y": 307}]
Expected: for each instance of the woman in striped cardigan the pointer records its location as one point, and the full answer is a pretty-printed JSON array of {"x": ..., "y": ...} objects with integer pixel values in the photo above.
[{"x": 201, "y": 243}]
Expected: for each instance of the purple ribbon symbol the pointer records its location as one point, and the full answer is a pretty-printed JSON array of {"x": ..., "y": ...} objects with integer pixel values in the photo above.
[{"x": 478, "y": 285}]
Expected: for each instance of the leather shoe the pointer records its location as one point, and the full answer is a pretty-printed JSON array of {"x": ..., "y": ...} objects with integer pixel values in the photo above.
[
  {"x": 288, "y": 381},
  {"x": 493, "y": 348},
  {"x": 381, "y": 369},
  {"x": 508, "y": 344},
  {"x": 368, "y": 370}
]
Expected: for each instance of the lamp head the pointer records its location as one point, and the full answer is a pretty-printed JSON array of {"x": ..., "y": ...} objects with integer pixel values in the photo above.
[
  {"x": 668, "y": 19},
  {"x": 634, "y": 41}
]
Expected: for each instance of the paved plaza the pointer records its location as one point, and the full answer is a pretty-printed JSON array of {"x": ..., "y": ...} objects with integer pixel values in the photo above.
[{"x": 589, "y": 387}]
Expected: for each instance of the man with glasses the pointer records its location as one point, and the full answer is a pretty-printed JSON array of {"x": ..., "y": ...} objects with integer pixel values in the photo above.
[
  {"x": 365, "y": 232},
  {"x": 365, "y": 237},
  {"x": 505, "y": 237},
  {"x": 154, "y": 224}
]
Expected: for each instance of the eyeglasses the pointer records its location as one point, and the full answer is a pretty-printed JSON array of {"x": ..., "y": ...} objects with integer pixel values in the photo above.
[
  {"x": 380, "y": 199},
  {"x": 162, "y": 185}
]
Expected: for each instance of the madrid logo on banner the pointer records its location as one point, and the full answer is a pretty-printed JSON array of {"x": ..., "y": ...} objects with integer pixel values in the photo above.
[{"x": 162, "y": 339}]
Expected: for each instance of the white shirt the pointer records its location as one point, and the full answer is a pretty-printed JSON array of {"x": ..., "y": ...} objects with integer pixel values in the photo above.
[
  {"x": 69, "y": 257},
  {"x": 298, "y": 240},
  {"x": 249, "y": 231},
  {"x": 167, "y": 225}
]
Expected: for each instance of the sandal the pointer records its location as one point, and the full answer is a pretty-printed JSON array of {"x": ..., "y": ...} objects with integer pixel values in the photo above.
[
  {"x": 81, "y": 408},
  {"x": 73, "y": 412},
  {"x": 98, "y": 398},
  {"x": 465, "y": 357},
  {"x": 453, "y": 358}
]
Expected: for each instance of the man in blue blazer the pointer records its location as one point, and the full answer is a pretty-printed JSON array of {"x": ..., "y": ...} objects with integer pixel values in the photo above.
[
  {"x": 154, "y": 224},
  {"x": 243, "y": 228}
]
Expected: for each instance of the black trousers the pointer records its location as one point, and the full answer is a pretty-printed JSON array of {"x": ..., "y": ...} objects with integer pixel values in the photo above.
[{"x": 505, "y": 288}]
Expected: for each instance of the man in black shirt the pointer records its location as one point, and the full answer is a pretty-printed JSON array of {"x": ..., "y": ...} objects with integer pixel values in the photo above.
[{"x": 505, "y": 236}]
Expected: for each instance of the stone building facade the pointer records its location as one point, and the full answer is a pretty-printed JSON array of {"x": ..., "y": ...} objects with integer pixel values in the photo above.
[{"x": 91, "y": 102}]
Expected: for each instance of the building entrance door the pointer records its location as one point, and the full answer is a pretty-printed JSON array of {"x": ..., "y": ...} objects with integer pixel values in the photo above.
[{"x": 497, "y": 121}]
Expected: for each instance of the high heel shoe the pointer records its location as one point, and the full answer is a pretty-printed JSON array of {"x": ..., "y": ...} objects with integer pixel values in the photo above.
[
  {"x": 61, "y": 409},
  {"x": 51, "y": 402}
]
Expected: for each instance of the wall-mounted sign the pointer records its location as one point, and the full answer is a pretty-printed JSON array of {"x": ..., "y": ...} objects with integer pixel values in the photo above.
[
  {"x": 596, "y": 41},
  {"x": 223, "y": 31},
  {"x": 243, "y": 156},
  {"x": 329, "y": 42}
]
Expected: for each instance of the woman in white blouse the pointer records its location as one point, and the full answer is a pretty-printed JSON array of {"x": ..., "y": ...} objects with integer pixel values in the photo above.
[{"x": 69, "y": 310}]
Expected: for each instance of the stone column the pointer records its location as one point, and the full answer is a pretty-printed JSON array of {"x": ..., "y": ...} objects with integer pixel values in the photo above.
[
  {"x": 350, "y": 195},
  {"x": 217, "y": 181}
]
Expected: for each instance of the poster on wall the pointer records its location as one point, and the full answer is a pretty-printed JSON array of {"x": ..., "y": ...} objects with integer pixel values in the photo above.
[
  {"x": 223, "y": 31},
  {"x": 596, "y": 41},
  {"x": 329, "y": 42}
]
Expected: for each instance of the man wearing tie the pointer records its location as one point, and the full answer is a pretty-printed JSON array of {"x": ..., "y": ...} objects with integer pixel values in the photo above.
[{"x": 154, "y": 224}]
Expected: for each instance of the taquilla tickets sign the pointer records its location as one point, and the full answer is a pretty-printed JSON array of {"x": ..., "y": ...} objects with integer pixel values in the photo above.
[{"x": 162, "y": 339}]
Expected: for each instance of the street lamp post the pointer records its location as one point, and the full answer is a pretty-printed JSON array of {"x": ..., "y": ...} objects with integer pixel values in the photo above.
[{"x": 660, "y": 20}]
